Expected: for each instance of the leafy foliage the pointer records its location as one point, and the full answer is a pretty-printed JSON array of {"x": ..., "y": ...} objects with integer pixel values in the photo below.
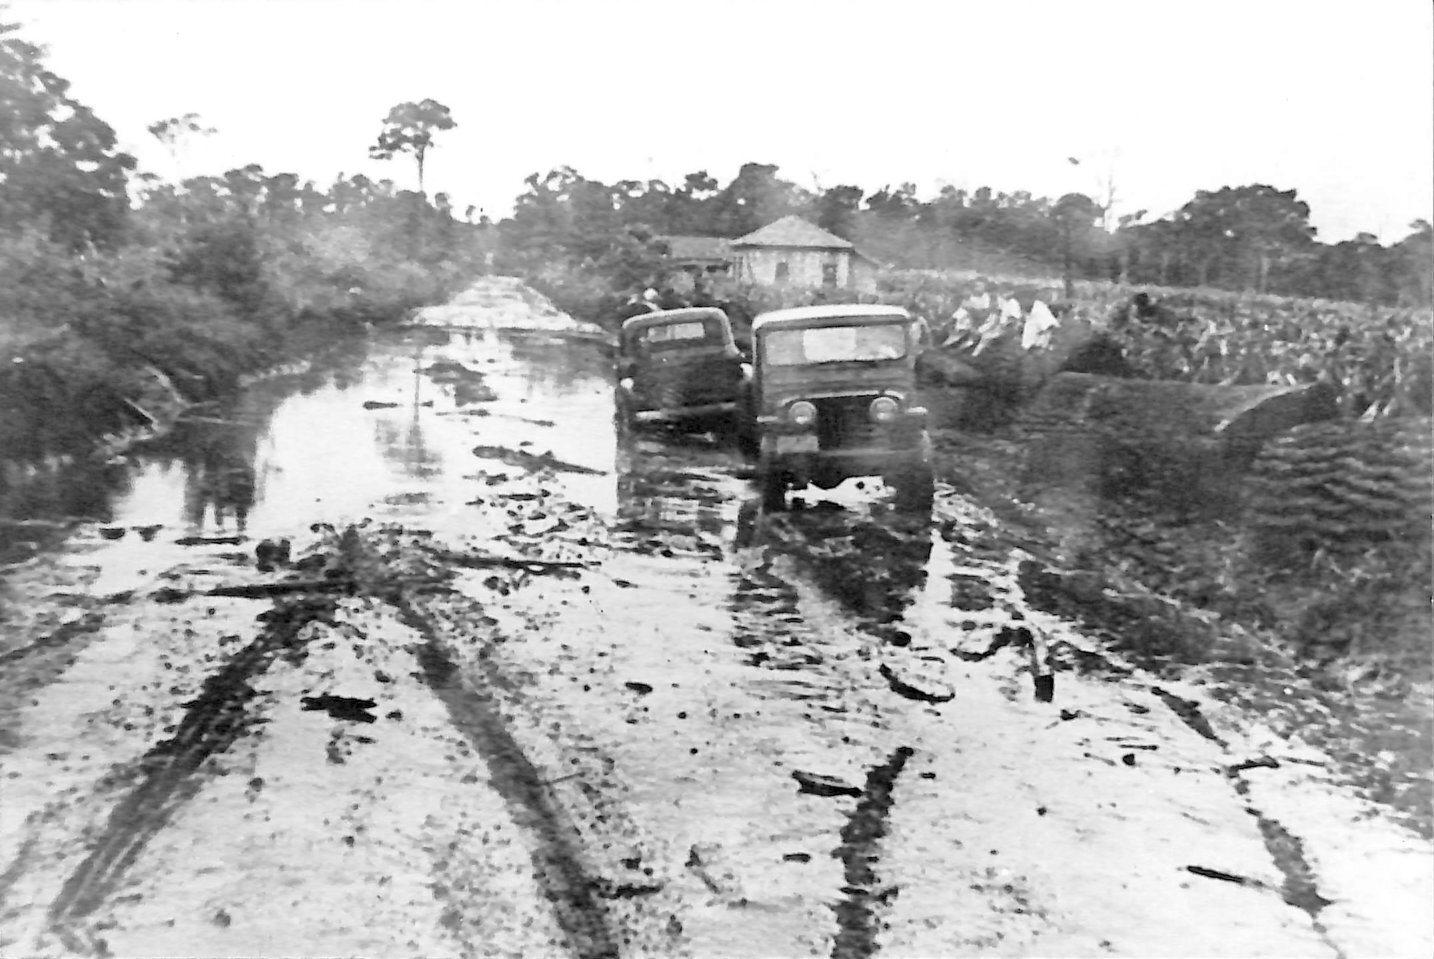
[
  {"x": 410, "y": 128},
  {"x": 59, "y": 166},
  {"x": 1253, "y": 238},
  {"x": 110, "y": 312}
]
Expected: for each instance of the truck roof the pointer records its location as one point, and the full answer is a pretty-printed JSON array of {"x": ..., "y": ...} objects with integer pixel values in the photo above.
[
  {"x": 685, "y": 315},
  {"x": 805, "y": 315}
]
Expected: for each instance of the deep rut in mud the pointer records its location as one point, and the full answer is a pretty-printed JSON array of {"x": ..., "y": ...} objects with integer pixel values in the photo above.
[
  {"x": 858, "y": 914},
  {"x": 556, "y": 854},
  {"x": 211, "y": 724}
]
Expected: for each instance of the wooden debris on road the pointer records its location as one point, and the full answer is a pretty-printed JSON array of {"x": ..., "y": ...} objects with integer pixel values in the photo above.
[
  {"x": 920, "y": 689},
  {"x": 819, "y": 785}
]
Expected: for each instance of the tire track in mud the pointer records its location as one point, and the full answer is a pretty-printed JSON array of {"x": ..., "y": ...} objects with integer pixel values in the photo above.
[
  {"x": 1039, "y": 588},
  {"x": 62, "y": 635},
  {"x": 556, "y": 854},
  {"x": 1300, "y": 888},
  {"x": 212, "y": 722},
  {"x": 860, "y": 850},
  {"x": 31, "y": 666}
]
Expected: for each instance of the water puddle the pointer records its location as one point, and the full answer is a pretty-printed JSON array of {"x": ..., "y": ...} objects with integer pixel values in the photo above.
[{"x": 388, "y": 433}]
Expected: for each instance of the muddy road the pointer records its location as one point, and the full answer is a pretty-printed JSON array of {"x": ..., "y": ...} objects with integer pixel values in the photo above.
[{"x": 513, "y": 688}]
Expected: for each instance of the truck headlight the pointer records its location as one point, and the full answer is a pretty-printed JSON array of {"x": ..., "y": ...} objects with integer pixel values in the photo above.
[
  {"x": 801, "y": 413},
  {"x": 883, "y": 409}
]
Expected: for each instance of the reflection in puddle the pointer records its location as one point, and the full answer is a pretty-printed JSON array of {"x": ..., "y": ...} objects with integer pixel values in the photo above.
[
  {"x": 674, "y": 496},
  {"x": 297, "y": 450}
]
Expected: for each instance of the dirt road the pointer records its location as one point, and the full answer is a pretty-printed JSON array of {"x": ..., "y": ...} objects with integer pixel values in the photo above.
[{"x": 520, "y": 690}]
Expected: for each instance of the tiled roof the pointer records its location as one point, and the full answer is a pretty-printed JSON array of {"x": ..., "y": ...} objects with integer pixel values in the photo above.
[
  {"x": 698, "y": 247},
  {"x": 793, "y": 231}
]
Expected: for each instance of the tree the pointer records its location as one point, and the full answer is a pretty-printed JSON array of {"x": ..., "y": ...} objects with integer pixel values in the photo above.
[
  {"x": 594, "y": 218},
  {"x": 541, "y": 226},
  {"x": 1412, "y": 257},
  {"x": 1244, "y": 231},
  {"x": 410, "y": 128},
  {"x": 1075, "y": 215},
  {"x": 754, "y": 198},
  {"x": 643, "y": 202},
  {"x": 176, "y": 132},
  {"x": 690, "y": 206},
  {"x": 59, "y": 166},
  {"x": 900, "y": 203},
  {"x": 837, "y": 209}
]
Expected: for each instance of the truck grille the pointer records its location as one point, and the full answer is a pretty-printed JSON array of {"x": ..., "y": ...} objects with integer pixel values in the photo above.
[{"x": 843, "y": 421}]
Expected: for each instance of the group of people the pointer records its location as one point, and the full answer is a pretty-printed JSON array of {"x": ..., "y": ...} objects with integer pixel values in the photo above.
[
  {"x": 1380, "y": 363},
  {"x": 984, "y": 317}
]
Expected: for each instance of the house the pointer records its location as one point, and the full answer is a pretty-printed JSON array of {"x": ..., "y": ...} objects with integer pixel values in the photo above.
[
  {"x": 698, "y": 254},
  {"x": 793, "y": 252}
]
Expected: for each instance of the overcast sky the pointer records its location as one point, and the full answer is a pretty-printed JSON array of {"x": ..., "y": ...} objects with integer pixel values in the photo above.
[{"x": 1334, "y": 99}]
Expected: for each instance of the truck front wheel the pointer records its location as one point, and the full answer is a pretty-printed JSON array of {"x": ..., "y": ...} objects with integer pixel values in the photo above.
[
  {"x": 773, "y": 485},
  {"x": 915, "y": 489},
  {"x": 623, "y": 417},
  {"x": 915, "y": 481}
]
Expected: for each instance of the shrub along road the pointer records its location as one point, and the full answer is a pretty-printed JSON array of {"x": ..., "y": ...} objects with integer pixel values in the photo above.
[{"x": 524, "y": 691}]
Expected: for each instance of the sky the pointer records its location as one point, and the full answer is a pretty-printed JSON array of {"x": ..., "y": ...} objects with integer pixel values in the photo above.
[{"x": 1155, "y": 99}]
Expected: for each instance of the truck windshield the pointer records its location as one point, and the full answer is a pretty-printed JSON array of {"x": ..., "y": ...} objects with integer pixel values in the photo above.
[{"x": 835, "y": 344}]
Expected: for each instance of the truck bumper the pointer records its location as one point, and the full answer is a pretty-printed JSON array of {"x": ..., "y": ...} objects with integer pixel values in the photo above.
[
  {"x": 684, "y": 414},
  {"x": 827, "y": 468}
]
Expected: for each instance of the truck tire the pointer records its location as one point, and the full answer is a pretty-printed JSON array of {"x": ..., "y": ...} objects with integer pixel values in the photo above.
[
  {"x": 915, "y": 482},
  {"x": 622, "y": 416},
  {"x": 915, "y": 489},
  {"x": 773, "y": 486},
  {"x": 749, "y": 444}
]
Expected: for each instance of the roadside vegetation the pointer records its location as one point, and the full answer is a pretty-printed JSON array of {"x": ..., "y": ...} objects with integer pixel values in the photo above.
[
  {"x": 1307, "y": 596},
  {"x": 124, "y": 295}
]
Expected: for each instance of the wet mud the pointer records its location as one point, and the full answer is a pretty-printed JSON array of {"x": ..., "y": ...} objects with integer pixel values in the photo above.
[
  {"x": 532, "y": 462},
  {"x": 557, "y": 858},
  {"x": 592, "y": 701},
  {"x": 859, "y": 913},
  {"x": 221, "y": 713}
]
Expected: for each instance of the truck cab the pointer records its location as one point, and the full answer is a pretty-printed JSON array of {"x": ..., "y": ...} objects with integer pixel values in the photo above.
[{"x": 833, "y": 397}]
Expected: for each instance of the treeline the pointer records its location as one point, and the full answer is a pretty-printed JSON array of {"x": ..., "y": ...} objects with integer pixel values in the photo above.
[
  {"x": 118, "y": 288},
  {"x": 588, "y": 245},
  {"x": 1253, "y": 238}
]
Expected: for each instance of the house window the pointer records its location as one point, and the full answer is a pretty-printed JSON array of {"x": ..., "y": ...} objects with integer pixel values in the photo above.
[
  {"x": 783, "y": 271},
  {"x": 829, "y": 274}
]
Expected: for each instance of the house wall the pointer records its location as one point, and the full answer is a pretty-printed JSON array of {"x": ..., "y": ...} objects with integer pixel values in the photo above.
[
  {"x": 863, "y": 275},
  {"x": 804, "y": 267}
]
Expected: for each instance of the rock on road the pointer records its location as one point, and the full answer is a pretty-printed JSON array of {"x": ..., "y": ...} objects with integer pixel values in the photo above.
[{"x": 534, "y": 693}]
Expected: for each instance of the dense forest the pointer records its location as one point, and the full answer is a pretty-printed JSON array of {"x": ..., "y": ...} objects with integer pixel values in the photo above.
[
  {"x": 117, "y": 286},
  {"x": 1253, "y": 238}
]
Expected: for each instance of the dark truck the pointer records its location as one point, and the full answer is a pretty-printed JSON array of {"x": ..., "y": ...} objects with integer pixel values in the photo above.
[
  {"x": 680, "y": 368},
  {"x": 832, "y": 398}
]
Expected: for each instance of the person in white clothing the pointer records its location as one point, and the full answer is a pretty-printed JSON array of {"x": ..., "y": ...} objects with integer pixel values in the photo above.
[{"x": 1036, "y": 334}]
